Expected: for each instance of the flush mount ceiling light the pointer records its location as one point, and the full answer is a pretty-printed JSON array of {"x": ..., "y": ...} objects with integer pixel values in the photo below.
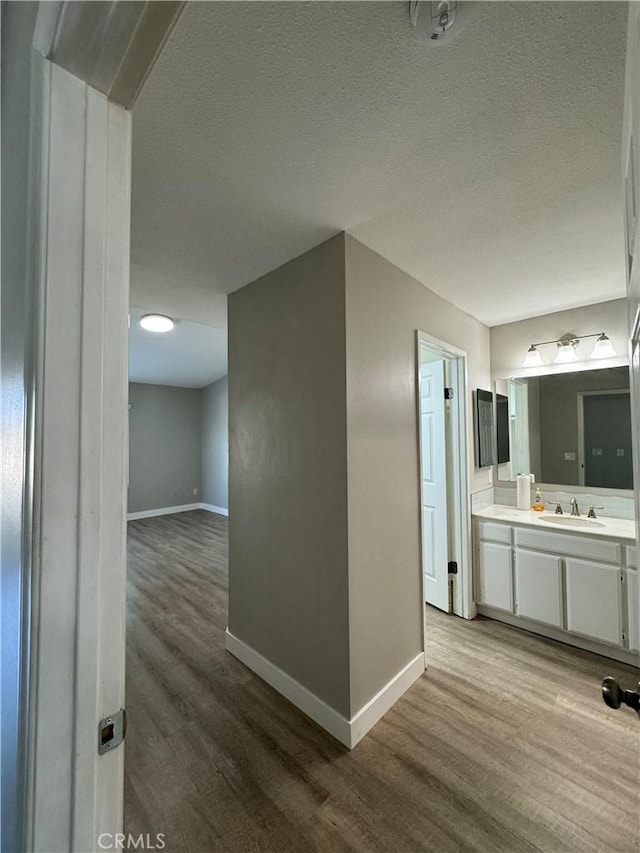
[
  {"x": 566, "y": 349},
  {"x": 156, "y": 323}
]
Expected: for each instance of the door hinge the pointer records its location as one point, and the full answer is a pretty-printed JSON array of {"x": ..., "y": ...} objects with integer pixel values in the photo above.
[
  {"x": 452, "y": 567},
  {"x": 112, "y": 731},
  {"x": 448, "y": 393}
]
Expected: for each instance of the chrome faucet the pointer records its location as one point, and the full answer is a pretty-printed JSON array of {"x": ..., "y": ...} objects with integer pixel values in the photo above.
[
  {"x": 574, "y": 507},
  {"x": 592, "y": 511}
]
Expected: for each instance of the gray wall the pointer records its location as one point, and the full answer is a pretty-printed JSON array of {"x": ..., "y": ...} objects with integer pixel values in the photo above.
[
  {"x": 385, "y": 307},
  {"x": 215, "y": 443},
  {"x": 288, "y": 583},
  {"x": 18, "y": 21},
  {"x": 559, "y": 417},
  {"x": 165, "y": 437},
  {"x": 322, "y": 403}
]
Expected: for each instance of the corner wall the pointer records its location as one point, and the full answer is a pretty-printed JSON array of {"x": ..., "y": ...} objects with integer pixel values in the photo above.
[
  {"x": 384, "y": 308},
  {"x": 165, "y": 429},
  {"x": 325, "y": 592},
  {"x": 215, "y": 444},
  {"x": 288, "y": 581}
]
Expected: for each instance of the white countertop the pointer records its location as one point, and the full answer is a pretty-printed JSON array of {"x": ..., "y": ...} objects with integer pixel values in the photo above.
[{"x": 610, "y": 528}]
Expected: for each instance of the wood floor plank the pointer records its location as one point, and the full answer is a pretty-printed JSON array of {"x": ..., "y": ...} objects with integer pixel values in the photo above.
[{"x": 503, "y": 745}]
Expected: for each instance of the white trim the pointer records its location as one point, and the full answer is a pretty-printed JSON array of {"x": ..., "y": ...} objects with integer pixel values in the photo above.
[
  {"x": 376, "y": 708},
  {"x": 220, "y": 510},
  {"x": 463, "y": 604},
  {"x": 80, "y": 238},
  {"x": 348, "y": 732},
  {"x": 165, "y": 510},
  {"x": 171, "y": 510}
]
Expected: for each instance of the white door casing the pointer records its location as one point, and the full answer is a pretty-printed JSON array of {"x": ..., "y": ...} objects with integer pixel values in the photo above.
[
  {"x": 81, "y": 236},
  {"x": 434, "y": 484},
  {"x": 78, "y": 249},
  {"x": 631, "y": 207}
]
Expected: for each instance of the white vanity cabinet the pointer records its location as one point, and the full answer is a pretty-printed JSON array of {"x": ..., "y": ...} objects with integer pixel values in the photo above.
[
  {"x": 594, "y": 600},
  {"x": 570, "y": 586},
  {"x": 495, "y": 586},
  {"x": 538, "y": 584}
]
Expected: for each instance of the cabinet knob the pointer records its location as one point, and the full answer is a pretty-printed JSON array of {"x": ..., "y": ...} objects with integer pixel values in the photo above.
[{"x": 614, "y": 696}]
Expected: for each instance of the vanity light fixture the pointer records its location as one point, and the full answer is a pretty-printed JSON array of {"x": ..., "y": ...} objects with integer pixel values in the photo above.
[
  {"x": 566, "y": 349},
  {"x": 603, "y": 348},
  {"x": 156, "y": 323},
  {"x": 533, "y": 357}
]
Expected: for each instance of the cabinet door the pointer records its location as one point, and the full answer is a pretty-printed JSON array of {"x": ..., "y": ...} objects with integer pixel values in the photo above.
[
  {"x": 594, "y": 600},
  {"x": 633, "y": 619},
  {"x": 538, "y": 587},
  {"x": 495, "y": 587}
]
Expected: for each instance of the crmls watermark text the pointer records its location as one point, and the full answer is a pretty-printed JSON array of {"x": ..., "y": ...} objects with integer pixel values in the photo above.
[{"x": 120, "y": 841}]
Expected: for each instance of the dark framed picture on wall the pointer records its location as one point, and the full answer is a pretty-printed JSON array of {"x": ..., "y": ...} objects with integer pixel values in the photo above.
[{"x": 484, "y": 428}]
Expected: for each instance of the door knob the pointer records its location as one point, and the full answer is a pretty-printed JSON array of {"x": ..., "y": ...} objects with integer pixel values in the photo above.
[{"x": 614, "y": 696}]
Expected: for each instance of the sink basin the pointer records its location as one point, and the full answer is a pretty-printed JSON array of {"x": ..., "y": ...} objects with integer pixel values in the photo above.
[{"x": 570, "y": 521}]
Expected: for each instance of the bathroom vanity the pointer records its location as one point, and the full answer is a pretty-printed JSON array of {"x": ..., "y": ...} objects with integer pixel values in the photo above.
[{"x": 571, "y": 579}]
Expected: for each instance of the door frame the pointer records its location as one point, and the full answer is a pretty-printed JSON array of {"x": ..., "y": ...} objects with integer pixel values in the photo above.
[
  {"x": 71, "y": 551},
  {"x": 581, "y": 449},
  {"x": 462, "y": 599}
]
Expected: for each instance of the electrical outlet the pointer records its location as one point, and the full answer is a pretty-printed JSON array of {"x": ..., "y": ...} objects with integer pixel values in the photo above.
[{"x": 195, "y": 491}]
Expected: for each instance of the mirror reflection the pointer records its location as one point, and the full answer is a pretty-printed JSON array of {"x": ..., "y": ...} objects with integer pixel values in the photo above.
[{"x": 569, "y": 428}]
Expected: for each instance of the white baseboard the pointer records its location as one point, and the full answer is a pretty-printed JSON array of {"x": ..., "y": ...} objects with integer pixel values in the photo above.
[
  {"x": 348, "y": 732},
  {"x": 165, "y": 510},
  {"x": 170, "y": 510},
  {"x": 221, "y": 510},
  {"x": 376, "y": 708}
]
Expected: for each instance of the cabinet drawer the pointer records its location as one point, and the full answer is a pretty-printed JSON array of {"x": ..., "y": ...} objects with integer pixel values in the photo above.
[
  {"x": 494, "y": 532},
  {"x": 538, "y": 587},
  {"x": 594, "y": 600},
  {"x": 560, "y": 543},
  {"x": 495, "y": 587}
]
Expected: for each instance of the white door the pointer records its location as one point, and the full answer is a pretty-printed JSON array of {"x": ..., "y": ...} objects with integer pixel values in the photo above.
[{"x": 434, "y": 483}]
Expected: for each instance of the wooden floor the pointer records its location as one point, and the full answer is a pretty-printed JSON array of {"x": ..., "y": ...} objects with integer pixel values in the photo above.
[{"x": 503, "y": 745}]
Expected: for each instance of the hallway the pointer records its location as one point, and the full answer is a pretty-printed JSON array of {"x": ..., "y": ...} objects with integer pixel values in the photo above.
[{"x": 503, "y": 745}]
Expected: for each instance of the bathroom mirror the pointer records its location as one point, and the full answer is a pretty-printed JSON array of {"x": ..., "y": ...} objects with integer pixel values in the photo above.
[
  {"x": 569, "y": 429},
  {"x": 484, "y": 428},
  {"x": 503, "y": 441}
]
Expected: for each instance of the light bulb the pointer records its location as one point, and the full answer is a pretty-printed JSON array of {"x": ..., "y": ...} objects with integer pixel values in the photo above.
[
  {"x": 603, "y": 348},
  {"x": 532, "y": 358},
  {"x": 566, "y": 353}
]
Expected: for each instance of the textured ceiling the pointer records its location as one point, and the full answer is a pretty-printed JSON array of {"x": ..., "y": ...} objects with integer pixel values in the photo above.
[
  {"x": 191, "y": 355},
  {"x": 488, "y": 168}
]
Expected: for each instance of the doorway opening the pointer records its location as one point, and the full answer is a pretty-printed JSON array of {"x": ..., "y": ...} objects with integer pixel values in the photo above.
[
  {"x": 604, "y": 454},
  {"x": 444, "y": 490}
]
